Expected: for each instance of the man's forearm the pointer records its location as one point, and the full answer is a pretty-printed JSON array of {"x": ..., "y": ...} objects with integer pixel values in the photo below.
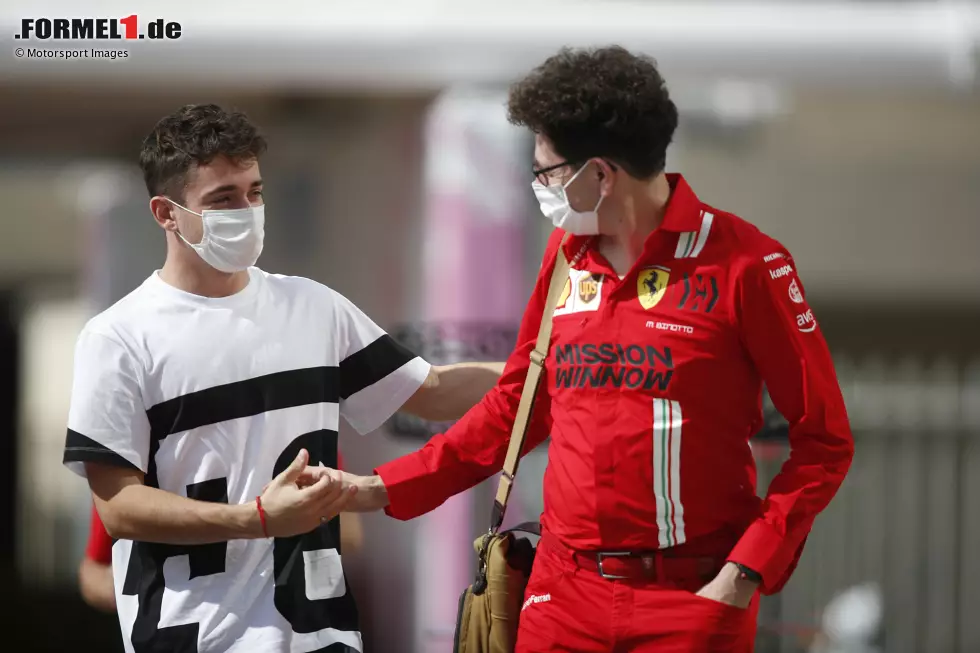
[
  {"x": 453, "y": 390},
  {"x": 138, "y": 512},
  {"x": 371, "y": 493}
]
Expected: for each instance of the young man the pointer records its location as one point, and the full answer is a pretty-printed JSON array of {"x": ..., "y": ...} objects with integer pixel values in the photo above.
[
  {"x": 673, "y": 315},
  {"x": 203, "y": 400}
]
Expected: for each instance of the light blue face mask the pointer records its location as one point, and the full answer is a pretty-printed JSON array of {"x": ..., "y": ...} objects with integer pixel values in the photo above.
[
  {"x": 232, "y": 239},
  {"x": 555, "y": 206}
]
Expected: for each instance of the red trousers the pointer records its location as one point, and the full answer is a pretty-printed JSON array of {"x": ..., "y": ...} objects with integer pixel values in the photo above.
[{"x": 571, "y": 608}]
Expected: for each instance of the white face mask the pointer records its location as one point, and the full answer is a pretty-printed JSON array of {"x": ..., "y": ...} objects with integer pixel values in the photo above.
[
  {"x": 555, "y": 206},
  {"x": 232, "y": 239}
]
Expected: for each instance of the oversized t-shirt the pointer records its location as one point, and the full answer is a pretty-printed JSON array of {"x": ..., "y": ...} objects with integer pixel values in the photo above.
[{"x": 211, "y": 398}]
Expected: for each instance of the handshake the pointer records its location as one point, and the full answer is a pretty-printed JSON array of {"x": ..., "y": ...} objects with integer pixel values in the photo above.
[{"x": 303, "y": 497}]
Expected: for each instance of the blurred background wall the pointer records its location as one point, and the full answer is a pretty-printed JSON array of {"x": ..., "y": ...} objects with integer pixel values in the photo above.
[{"x": 849, "y": 130}]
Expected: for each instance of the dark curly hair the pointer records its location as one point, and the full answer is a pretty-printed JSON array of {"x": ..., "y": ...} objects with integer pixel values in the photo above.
[
  {"x": 602, "y": 102},
  {"x": 193, "y": 135}
]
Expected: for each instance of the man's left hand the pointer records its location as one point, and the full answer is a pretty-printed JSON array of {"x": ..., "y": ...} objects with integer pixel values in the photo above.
[
  {"x": 730, "y": 588},
  {"x": 311, "y": 474}
]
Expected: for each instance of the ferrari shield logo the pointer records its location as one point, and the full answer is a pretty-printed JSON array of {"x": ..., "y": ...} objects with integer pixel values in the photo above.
[
  {"x": 651, "y": 286},
  {"x": 588, "y": 288}
]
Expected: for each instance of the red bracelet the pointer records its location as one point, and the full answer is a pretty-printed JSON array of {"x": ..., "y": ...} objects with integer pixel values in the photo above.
[{"x": 258, "y": 504}]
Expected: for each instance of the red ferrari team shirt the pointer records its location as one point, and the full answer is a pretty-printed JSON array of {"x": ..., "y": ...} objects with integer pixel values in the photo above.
[{"x": 653, "y": 387}]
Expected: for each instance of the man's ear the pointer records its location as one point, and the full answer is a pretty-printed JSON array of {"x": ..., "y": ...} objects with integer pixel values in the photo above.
[
  {"x": 163, "y": 213},
  {"x": 606, "y": 177}
]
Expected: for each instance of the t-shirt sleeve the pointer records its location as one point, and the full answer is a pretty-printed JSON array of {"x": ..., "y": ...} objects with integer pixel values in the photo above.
[
  {"x": 107, "y": 420},
  {"x": 377, "y": 375}
]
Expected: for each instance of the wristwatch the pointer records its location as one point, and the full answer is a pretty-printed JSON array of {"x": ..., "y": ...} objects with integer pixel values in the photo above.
[{"x": 746, "y": 573}]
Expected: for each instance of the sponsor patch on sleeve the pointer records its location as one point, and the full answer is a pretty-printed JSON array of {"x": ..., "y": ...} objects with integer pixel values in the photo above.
[
  {"x": 786, "y": 286},
  {"x": 780, "y": 272},
  {"x": 794, "y": 292},
  {"x": 805, "y": 322}
]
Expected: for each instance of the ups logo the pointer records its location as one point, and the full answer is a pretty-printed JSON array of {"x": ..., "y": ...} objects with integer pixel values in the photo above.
[{"x": 588, "y": 288}]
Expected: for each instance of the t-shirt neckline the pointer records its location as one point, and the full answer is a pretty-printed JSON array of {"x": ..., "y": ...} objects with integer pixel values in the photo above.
[{"x": 237, "y": 299}]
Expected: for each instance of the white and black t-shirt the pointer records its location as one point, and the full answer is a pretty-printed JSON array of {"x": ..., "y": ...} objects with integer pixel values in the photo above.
[{"x": 212, "y": 398}]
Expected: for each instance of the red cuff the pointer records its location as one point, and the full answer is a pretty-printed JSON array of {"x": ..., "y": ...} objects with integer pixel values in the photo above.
[
  {"x": 769, "y": 552},
  {"x": 401, "y": 478}
]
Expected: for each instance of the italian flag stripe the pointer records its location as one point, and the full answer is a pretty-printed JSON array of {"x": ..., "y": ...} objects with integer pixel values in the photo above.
[
  {"x": 666, "y": 472},
  {"x": 677, "y": 507}
]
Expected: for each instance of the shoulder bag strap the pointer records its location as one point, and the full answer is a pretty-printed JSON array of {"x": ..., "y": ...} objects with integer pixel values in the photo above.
[{"x": 523, "y": 418}]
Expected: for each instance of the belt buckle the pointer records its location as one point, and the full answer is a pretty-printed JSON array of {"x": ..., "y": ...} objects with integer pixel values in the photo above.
[{"x": 601, "y": 556}]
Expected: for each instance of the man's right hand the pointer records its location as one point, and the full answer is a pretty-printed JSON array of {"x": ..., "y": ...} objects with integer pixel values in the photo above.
[
  {"x": 294, "y": 510},
  {"x": 371, "y": 492}
]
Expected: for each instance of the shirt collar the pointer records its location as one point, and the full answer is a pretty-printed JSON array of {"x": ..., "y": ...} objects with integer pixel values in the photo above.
[
  {"x": 683, "y": 208},
  {"x": 683, "y": 214}
]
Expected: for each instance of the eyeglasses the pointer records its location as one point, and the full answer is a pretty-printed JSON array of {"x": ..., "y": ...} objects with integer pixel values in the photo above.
[{"x": 541, "y": 174}]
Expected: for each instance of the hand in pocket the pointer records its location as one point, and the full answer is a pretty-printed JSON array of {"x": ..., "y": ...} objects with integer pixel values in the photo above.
[{"x": 729, "y": 588}]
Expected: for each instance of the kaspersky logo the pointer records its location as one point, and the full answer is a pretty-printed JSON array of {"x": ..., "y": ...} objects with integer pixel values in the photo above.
[{"x": 97, "y": 29}]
